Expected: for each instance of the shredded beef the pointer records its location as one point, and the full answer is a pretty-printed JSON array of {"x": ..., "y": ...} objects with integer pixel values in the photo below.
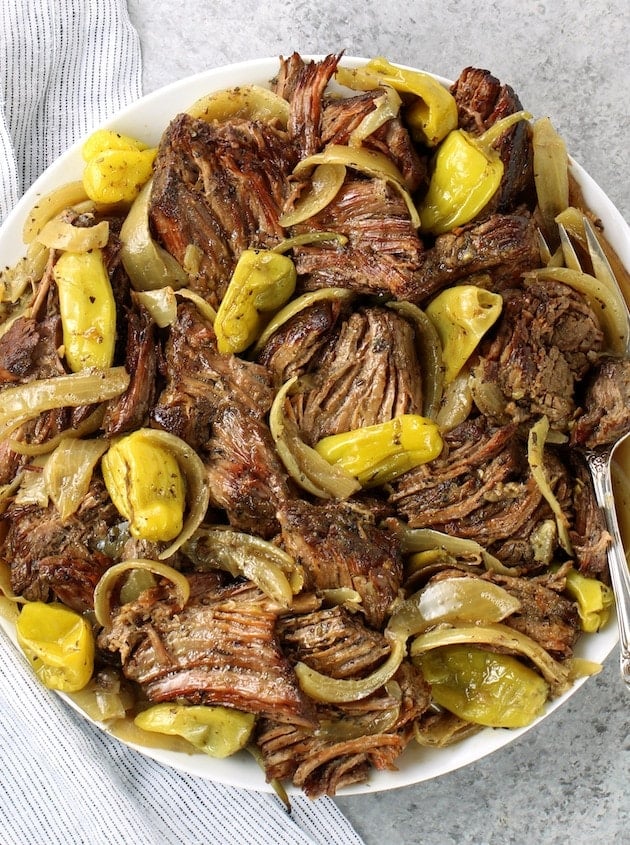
[
  {"x": 503, "y": 246},
  {"x": 340, "y": 546},
  {"x": 383, "y": 249},
  {"x": 220, "y": 649},
  {"x": 368, "y": 373},
  {"x": 606, "y": 416},
  {"x": 543, "y": 344},
  {"x": 220, "y": 187}
]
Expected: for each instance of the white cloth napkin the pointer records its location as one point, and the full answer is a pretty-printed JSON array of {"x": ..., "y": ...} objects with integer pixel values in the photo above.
[{"x": 65, "y": 66}]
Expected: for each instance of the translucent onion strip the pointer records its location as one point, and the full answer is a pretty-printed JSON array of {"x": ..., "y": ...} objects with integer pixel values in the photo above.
[
  {"x": 536, "y": 458},
  {"x": 502, "y": 638},
  {"x": 61, "y": 234},
  {"x": 109, "y": 579},
  {"x": 336, "y": 691},
  {"x": 370, "y": 162},
  {"x": 324, "y": 184},
  {"x": 300, "y": 304},
  {"x": 269, "y": 567},
  {"x": 429, "y": 355},
  {"x": 308, "y": 469},
  {"x": 68, "y": 472},
  {"x": 197, "y": 492},
  {"x": 424, "y": 539},
  {"x": 50, "y": 206},
  {"x": 452, "y": 600},
  {"x": 27, "y": 401},
  {"x": 88, "y": 426}
]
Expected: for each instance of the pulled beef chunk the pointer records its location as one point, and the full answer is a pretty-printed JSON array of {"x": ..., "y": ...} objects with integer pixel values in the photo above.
[
  {"x": 545, "y": 615},
  {"x": 244, "y": 473},
  {"x": 606, "y": 415},
  {"x": 481, "y": 101},
  {"x": 333, "y": 641},
  {"x": 368, "y": 373},
  {"x": 130, "y": 411},
  {"x": 503, "y": 246},
  {"x": 543, "y": 344},
  {"x": 482, "y": 489},
  {"x": 199, "y": 379},
  {"x": 217, "y": 403},
  {"x": 303, "y": 85},
  {"x": 589, "y": 536},
  {"x": 290, "y": 350},
  {"x": 324, "y": 761},
  {"x": 51, "y": 558},
  {"x": 220, "y": 649},
  {"x": 221, "y": 188},
  {"x": 339, "y": 545},
  {"x": 28, "y": 350},
  {"x": 383, "y": 250}
]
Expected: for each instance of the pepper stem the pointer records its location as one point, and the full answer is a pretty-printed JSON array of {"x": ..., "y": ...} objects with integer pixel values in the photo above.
[{"x": 494, "y": 132}]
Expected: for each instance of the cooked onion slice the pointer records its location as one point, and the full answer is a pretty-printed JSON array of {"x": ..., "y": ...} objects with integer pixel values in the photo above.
[
  {"x": 551, "y": 175},
  {"x": 197, "y": 493},
  {"x": 27, "y": 401},
  {"x": 68, "y": 472},
  {"x": 308, "y": 469},
  {"x": 429, "y": 355},
  {"x": 536, "y": 458},
  {"x": 295, "y": 306},
  {"x": 249, "y": 102},
  {"x": 50, "y": 206},
  {"x": 109, "y": 579},
  {"x": 502, "y": 638},
  {"x": 325, "y": 182},
  {"x": 269, "y": 567},
  {"x": 336, "y": 691},
  {"x": 148, "y": 265},
  {"x": 370, "y": 162},
  {"x": 423, "y": 539},
  {"x": 61, "y": 234},
  {"x": 452, "y": 600}
]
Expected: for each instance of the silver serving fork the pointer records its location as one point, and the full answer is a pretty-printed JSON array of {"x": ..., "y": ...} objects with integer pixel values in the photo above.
[{"x": 599, "y": 462}]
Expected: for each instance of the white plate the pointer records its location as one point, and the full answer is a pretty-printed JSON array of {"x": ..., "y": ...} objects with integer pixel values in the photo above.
[{"x": 146, "y": 119}]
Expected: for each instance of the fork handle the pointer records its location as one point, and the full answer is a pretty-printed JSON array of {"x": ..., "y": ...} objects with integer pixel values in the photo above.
[{"x": 617, "y": 562}]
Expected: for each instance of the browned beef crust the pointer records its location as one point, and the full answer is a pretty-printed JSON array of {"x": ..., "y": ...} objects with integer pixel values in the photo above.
[
  {"x": 545, "y": 341},
  {"x": 339, "y": 545},
  {"x": 51, "y": 559},
  {"x": 606, "y": 415},
  {"x": 481, "y": 101},
  {"x": 220, "y": 187},
  {"x": 503, "y": 246}
]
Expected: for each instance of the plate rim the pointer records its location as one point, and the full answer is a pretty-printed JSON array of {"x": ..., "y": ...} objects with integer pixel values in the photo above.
[{"x": 136, "y": 116}]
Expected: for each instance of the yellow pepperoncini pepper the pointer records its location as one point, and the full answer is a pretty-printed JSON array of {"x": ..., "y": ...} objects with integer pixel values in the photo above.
[
  {"x": 146, "y": 485},
  {"x": 58, "y": 643},
  {"x": 261, "y": 283},
  {"x": 461, "y": 316},
  {"x": 594, "y": 600},
  {"x": 495, "y": 690},
  {"x": 466, "y": 174},
  {"x": 217, "y": 731},
  {"x": 117, "y": 166},
  {"x": 431, "y": 116},
  {"x": 88, "y": 309},
  {"x": 376, "y": 454}
]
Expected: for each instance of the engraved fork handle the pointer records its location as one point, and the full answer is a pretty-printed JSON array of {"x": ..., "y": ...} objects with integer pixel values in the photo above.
[{"x": 599, "y": 464}]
